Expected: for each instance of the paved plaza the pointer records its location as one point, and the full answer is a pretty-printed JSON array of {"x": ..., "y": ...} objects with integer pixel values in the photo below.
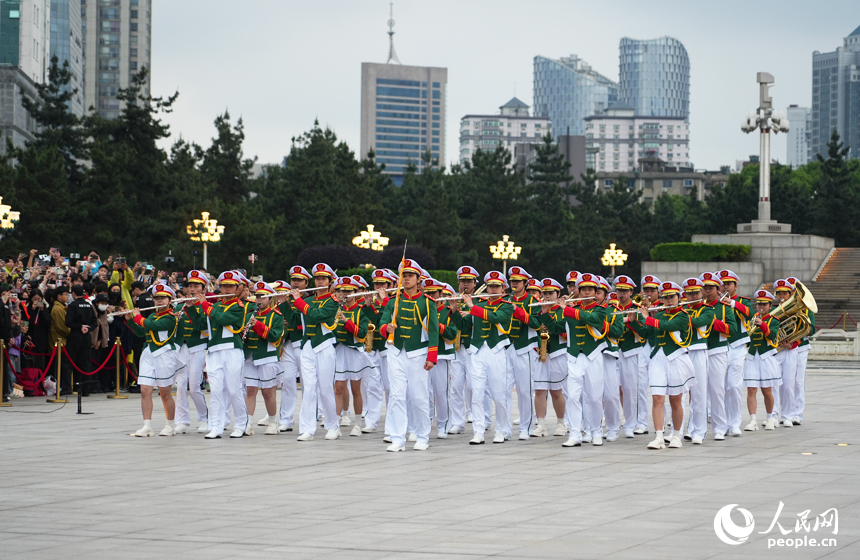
[{"x": 81, "y": 487}]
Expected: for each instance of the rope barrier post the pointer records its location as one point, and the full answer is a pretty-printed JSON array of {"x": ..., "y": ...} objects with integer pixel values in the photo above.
[
  {"x": 57, "y": 398},
  {"x": 844, "y": 314},
  {"x": 117, "y": 352},
  {"x": 2, "y": 377}
]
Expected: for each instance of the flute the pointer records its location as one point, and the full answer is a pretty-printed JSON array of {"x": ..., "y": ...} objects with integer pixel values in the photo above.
[
  {"x": 362, "y": 294},
  {"x": 636, "y": 310},
  {"x": 451, "y": 298},
  {"x": 559, "y": 301},
  {"x": 180, "y": 300}
]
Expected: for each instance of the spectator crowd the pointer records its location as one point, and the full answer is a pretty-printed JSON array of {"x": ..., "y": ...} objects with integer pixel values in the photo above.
[{"x": 50, "y": 298}]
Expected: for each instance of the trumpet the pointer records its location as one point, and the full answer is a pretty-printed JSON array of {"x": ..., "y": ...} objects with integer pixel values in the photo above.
[
  {"x": 754, "y": 327},
  {"x": 659, "y": 308}
]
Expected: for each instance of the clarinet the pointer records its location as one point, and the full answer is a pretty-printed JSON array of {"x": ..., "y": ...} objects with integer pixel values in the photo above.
[{"x": 247, "y": 328}]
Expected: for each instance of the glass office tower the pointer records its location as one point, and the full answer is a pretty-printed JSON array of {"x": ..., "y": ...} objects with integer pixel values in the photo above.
[{"x": 655, "y": 77}]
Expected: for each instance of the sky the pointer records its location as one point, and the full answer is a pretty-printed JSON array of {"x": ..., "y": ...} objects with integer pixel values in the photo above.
[{"x": 281, "y": 64}]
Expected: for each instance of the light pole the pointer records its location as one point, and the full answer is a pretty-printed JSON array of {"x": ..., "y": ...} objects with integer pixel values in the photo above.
[
  {"x": 504, "y": 250},
  {"x": 613, "y": 257},
  {"x": 370, "y": 239},
  {"x": 8, "y": 218},
  {"x": 765, "y": 120},
  {"x": 205, "y": 230}
]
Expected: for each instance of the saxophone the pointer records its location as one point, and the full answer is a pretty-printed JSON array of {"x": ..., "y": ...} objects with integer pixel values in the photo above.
[
  {"x": 368, "y": 339},
  {"x": 544, "y": 343}
]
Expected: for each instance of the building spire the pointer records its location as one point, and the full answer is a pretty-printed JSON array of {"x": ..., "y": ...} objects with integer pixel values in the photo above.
[{"x": 392, "y": 54}]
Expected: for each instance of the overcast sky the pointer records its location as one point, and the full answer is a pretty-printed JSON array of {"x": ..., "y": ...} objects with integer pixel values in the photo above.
[{"x": 279, "y": 64}]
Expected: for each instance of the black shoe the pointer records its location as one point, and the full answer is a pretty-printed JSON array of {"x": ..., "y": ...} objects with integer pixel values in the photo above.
[
  {"x": 134, "y": 389},
  {"x": 688, "y": 438},
  {"x": 795, "y": 422}
]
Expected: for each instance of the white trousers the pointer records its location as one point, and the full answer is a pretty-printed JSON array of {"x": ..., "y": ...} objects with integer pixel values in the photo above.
[
  {"x": 380, "y": 360},
  {"x": 317, "y": 385},
  {"x": 457, "y": 388},
  {"x": 188, "y": 381},
  {"x": 490, "y": 371},
  {"x": 227, "y": 389},
  {"x": 291, "y": 359},
  {"x": 735, "y": 386},
  {"x": 611, "y": 395},
  {"x": 409, "y": 389},
  {"x": 800, "y": 382},
  {"x": 718, "y": 365},
  {"x": 628, "y": 366},
  {"x": 573, "y": 406},
  {"x": 643, "y": 404},
  {"x": 439, "y": 390},
  {"x": 592, "y": 394},
  {"x": 522, "y": 369},
  {"x": 374, "y": 392},
  {"x": 698, "y": 414}
]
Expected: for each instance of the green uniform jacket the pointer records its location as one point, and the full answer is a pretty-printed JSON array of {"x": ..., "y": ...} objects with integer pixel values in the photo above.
[
  {"x": 293, "y": 331},
  {"x": 725, "y": 323},
  {"x": 812, "y": 331},
  {"x": 226, "y": 318},
  {"x": 524, "y": 333},
  {"x": 491, "y": 323},
  {"x": 464, "y": 328},
  {"x": 447, "y": 332},
  {"x": 673, "y": 329},
  {"x": 592, "y": 333},
  {"x": 617, "y": 328},
  {"x": 159, "y": 330},
  {"x": 702, "y": 319},
  {"x": 743, "y": 314},
  {"x": 554, "y": 322},
  {"x": 417, "y": 325},
  {"x": 319, "y": 314},
  {"x": 374, "y": 312},
  {"x": 263, "y": 343},
  {"x": 763, "y": 339},
  {"x": 193, "y": 328},
  {"x": 572, "y": 329},
  {"x": 630, "y": 340},
  {"x": 353, "y": 332}
]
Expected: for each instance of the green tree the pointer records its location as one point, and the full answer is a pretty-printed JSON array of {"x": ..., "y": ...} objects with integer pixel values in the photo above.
[{"x": 836, "y": 205}]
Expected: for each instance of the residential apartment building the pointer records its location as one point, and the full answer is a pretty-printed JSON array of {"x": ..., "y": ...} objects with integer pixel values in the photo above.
[
  {"x": 622, "y": 138},
  {"x": 657, "y": 178},
  {"x": 67, "y": 46},
  {"x": 799, "y": 132},
  {"x": 836, "y": 97},
  {"x": 511, "y": 127}
]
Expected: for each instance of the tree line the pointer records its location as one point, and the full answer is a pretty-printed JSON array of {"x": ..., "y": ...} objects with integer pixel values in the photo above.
[{"x": 90, "y": 182}]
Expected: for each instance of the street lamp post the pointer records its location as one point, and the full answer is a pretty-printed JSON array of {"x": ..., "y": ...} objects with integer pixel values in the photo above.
[
  {"x": 370, "y": 239},
  {"x": 8, "y": 218},
  {"x": 765, "y": 120},
  {"x": 504, "y": 250},
  {"x": 205, "y": 230},
  {"x": 613, "y": 257}
]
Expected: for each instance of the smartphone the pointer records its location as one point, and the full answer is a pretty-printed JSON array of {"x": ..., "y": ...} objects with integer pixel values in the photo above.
[
  {"x": 66, "y": 262},
  {"x": 26, "y": 324},
  {"x": 120, "y": 260}
]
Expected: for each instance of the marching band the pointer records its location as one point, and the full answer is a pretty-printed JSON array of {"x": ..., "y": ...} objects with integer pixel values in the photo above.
[{"x": 435, "y": 357}]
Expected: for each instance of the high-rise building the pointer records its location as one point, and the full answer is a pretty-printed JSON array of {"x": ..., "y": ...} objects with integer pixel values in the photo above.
[
  {"x": 24, "y": 59},
  {"x": 402, "y": 112},
  {"x": 67, "y": 46},
  {"x": 654, "y": 77},
  {"x": 797, "y": 152},
  {"x": 117, "y": 44},
  {"x": 836, "y": 97},
  {"x": 567, "y": 90},
  {"x": 511, "y": 127},
  {"x": 623, "y": 138},
  {"x": 25, "y": 36}
]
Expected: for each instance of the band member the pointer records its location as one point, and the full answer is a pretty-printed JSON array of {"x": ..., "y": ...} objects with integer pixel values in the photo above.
[
  {"x": 224, "y": 357},
  {"x": 552, "y": 373},
  {"x": 702, "y": 321},
  {"x": 533, "y": 288},
  {"x": 378, "y": 390},
  {"x": 630, "y": 350},
  {"x": 650, "y": 296},
  {"x": 249, "y": 307},
  {"x": 291, "y": 348},
  {"x": 191, "y": 355},
  {"x": 352, "y": 363},
  {"x": 158, "y": 362},
  {"x": 571, "y": 279},
  {"x": 802, "y": 359},
  {"x": 786, "y": 359},
  {"x": 491, "y": 323},
  {"x": 440, "y": 375},
  {"x": 761, "y": 369},
  {"x": 263, "y": 334},
  {"x": 611, "y": 379},
  {"x": 318, "y": 355},
  {"x": 411, "y": 326},
  {"x": 460, "y": 397},
  {"x": 522, "y": 354},
  {"x": 592, "y": 343},
  {"x": 725, "y": 322},
  {"x": 670, "y": 370},
  {"x": 737, "y": 351}
]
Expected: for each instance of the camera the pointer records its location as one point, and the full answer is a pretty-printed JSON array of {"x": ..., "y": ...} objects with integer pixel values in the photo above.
[
  {"x": 120, "y": 260},
  {"x": 170, "y": 259}
]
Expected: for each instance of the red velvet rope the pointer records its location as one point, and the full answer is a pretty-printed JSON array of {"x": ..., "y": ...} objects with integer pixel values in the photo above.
[
  {"x": 127, "y": 365},
  {"x": 840, "y": 320},
  {"x": 113, "y": 347},
  {"x": 42, "y": 374},
  {"x": 16, "y": 347}
]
